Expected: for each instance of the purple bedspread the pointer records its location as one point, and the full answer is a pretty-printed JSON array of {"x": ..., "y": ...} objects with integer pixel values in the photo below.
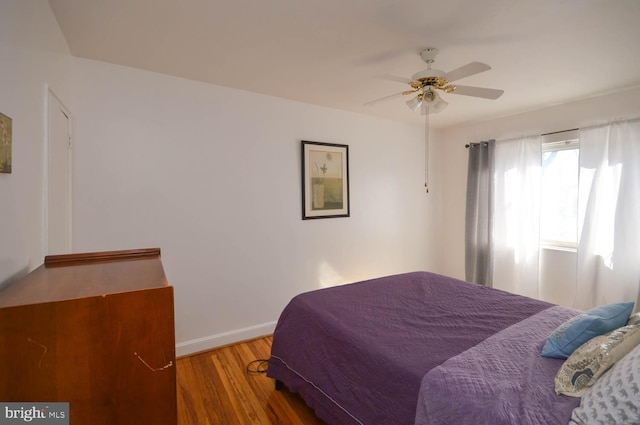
[
  {"x": 357, "y": 353},
  {"x": 501, "y": 381}
]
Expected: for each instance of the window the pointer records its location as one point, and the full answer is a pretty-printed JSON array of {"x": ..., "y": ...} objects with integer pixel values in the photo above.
[{"x": 559, "y": 203}]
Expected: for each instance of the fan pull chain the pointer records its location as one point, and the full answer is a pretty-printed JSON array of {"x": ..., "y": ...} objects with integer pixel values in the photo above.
[{"x": 426, "y": 150}]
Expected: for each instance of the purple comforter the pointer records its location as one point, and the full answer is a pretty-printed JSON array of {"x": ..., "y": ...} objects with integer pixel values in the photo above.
[
  {"x": 503, "y": 380},
  {"x": 357, "y": 353}
]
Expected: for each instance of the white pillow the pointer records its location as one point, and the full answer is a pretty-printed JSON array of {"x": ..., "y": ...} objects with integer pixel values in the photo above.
[{"x": 615, "y": 398}]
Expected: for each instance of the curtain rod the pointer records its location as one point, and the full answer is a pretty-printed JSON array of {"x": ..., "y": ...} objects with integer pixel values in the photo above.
[
  {"x": 631, "y": 120},
  {"x": 468, "y": 145},
  {"x": 558, "y": 132}
]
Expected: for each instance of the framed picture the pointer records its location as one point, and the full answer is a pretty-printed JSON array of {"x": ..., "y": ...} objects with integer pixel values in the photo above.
[
  {"x": 325, "y": 180},
  {"x": 5, "y": 144}
]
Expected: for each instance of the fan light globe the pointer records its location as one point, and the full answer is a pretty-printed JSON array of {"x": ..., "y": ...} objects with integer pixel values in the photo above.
[
  {"x": 415, "y": 104},
  {"x": 437, "y": 105}
]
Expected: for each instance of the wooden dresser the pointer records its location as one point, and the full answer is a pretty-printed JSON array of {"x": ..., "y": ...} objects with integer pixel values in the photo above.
[{"x": 95, "y": 330}]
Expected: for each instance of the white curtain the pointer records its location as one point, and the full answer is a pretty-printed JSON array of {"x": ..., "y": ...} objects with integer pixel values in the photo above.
[
  {"x": 516, "y": 223},
  {"x": 609, "y": 215}
]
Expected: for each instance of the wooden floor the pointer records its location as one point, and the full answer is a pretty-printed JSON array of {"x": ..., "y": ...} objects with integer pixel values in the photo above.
[{"x": 215, "y": 388}]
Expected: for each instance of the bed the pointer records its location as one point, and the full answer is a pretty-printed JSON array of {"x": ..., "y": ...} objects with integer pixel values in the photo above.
[{"x": 420, "y": 348}]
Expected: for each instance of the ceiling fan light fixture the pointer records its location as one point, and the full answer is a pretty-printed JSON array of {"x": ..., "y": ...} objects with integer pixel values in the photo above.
[{"x": 428, "y": 102}]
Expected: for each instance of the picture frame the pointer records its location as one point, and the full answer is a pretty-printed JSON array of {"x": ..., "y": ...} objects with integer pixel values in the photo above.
[
  {"x": 5, "y": 143},
  {"x": 325, "y": 180}
]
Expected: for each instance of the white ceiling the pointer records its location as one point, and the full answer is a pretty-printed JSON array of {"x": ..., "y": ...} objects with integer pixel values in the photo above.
[{"x": 330, "y": 52}]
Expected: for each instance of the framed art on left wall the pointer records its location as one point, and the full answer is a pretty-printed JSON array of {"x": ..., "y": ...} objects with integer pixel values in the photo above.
[
  {"x": 325, "y": 180},
  {"x": 5, "y": 144}
]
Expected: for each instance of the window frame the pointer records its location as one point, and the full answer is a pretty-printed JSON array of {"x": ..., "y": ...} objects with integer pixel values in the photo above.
[{"x": 564, "y": 140}]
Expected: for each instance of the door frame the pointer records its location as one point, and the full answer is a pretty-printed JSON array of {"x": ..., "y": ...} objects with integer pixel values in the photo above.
[{"x": 51, "y": 100}]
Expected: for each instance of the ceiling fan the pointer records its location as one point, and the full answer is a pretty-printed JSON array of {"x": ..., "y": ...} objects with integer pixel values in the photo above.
[{"x": 427, "y": 83}]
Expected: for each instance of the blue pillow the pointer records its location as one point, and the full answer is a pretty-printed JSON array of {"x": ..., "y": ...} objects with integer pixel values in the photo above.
[{"x": 580, "y": 329}]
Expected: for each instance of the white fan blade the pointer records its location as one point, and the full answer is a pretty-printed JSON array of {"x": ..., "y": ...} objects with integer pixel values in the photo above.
[
  {"x": 478, "y": 92},
  {"x": 382, "y": 99},
  {"x": 466, "y": 71},
  {"x": 394, "y": 78}
]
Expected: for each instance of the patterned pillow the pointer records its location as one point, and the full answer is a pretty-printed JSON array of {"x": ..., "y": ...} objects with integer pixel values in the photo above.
[
  {"x": 586, "y": 364},
  {"x": 580, "y": 329},
  {"x": 634, "y": 319},
  {"x": 615, "y": 398}
]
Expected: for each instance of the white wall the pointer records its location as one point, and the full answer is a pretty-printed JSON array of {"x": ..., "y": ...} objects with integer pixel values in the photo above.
[
  {"x": 558, "y": 275},
  {"x": 34, "y": 54},
  {"x": 212, "y": 176},
  {"x": 558, "y": 266}
]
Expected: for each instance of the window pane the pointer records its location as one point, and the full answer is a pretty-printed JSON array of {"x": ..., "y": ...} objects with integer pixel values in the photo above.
[{"x": 559, "y": 208}]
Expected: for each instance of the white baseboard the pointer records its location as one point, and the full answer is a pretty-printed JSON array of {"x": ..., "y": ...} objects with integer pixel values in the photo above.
[{"x": 218, "y": 340}]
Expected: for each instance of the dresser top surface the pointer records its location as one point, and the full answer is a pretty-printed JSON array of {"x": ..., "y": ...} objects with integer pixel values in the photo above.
[{"x": 67, "y": 277}]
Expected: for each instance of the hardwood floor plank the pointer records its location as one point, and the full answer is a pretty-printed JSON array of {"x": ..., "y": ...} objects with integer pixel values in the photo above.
[
  {"x": 215, "y": 388},
  {"x": 224, "y": 405},
  {"x": 276, "y": 406},
  {"x": 190, "y": 407},
  {"x": 236, "y": 384}
]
